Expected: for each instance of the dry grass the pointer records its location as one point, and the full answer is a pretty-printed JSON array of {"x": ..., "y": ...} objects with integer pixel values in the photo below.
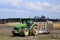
[
  {"x": 12, "y": 24},
  {"x": 56, "y": 24}
]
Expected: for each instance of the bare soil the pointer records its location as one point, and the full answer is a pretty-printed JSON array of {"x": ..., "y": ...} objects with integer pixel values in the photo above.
[{"x": 6, "y": 34}]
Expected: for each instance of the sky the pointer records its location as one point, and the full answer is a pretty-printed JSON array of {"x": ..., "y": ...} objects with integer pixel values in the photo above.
[{"x": 29, "y": 8}]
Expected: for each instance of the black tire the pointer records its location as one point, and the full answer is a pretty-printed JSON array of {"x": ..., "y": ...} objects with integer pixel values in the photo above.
[
  {"x": 30, "y": 32},
  {"x": 35, "y": 30},
  {"x": 25, "y": 32},
  {"x": 48, "y": 33},
  {"x": 13, "y": 34}
]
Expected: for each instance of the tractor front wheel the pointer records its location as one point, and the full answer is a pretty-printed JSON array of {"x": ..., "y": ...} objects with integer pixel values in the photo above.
[{"x": 25, "y": 32}]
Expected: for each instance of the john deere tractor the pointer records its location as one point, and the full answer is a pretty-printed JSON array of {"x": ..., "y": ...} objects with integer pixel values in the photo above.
[{"x": 28, "y": 27}]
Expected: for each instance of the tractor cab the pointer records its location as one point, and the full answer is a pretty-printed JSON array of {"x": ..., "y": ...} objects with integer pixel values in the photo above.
[{"x": 29, "y": 21}]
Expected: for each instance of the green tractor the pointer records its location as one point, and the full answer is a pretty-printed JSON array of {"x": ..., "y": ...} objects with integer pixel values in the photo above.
[{"x": 28, "y": 27}]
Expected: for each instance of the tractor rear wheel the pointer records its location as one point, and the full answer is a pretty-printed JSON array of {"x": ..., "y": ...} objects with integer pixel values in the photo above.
[
  {"x": 25, "y": 32},
  {"x": 35, "y": 30}
]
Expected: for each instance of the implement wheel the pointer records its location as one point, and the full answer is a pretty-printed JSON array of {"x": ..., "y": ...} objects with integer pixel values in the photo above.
[
  {"x": 25, "y": 32},
  {"x": 35, "y": 30}
]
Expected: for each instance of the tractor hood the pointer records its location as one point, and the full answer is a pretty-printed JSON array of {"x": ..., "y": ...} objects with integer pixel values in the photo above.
[{"x": 21, "y": 25}]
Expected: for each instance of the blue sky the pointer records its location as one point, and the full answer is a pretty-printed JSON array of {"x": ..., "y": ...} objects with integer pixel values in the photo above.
[{"x": 29, "y": 8}]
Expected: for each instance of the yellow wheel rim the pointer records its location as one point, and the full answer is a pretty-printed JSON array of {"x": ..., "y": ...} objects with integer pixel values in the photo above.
[
  {"x": 35, "y": 31},
  {"x": 26, "y": 32}
]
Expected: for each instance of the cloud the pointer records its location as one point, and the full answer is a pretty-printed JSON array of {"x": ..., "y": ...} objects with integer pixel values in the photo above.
[
  {"x": 10, "y": 10},
  {"x": 13, "y": 10},
  {"x": 55, "y": 9},
  {"x": 35, "y": 6},
  {"x": 12, "y": 2},
  {"x": 38, "y": 6},
  {"x": 57, "y": 0}
]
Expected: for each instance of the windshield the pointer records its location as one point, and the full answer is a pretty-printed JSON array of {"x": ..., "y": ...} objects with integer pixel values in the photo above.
[{"x": 30, "y": 22}]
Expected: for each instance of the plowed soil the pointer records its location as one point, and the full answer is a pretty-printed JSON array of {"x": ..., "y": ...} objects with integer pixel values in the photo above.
[{"x": 6, "y": 34}]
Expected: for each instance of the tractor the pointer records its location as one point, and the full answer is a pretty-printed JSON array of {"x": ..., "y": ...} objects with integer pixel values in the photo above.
[{"x": 27, "y": 27}]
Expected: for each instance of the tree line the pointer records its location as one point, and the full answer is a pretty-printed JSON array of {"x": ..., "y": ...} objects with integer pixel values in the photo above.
[{"x": 36, "y": 19}]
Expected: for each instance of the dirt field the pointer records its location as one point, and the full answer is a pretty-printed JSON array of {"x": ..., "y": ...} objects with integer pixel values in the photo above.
[
  {"x": 5, "y": 34},
  {"x": 6, "y": 29}
]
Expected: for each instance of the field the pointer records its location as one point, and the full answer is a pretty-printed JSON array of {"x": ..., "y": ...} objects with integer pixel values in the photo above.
[
  {"x": 56, "y": 24},
  {"x": 5, "y": 33}
]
